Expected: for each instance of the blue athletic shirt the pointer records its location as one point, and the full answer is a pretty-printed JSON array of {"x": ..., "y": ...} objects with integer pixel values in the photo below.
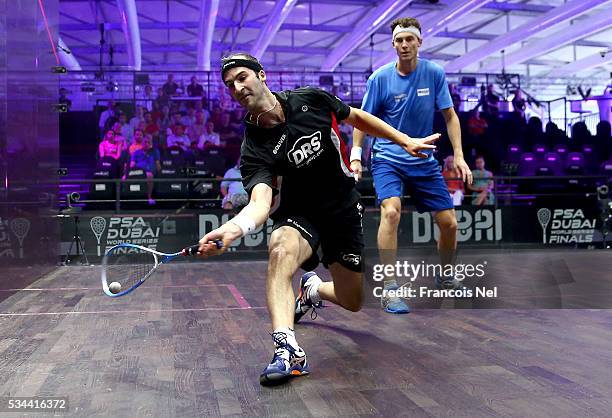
[{"x": 407, "y": 103}]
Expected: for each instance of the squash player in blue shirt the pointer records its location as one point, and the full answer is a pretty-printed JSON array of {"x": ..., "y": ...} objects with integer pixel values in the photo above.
[{"x": 405, "y": 94}]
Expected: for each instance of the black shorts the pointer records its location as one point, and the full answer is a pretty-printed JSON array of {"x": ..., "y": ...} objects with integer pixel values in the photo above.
[{"x": 340, "y": 237}]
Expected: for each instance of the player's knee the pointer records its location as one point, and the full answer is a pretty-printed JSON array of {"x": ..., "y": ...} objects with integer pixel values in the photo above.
[
  {"x": 448, "y": 224},
  {"x": 280, "y": 251},
  {"x": 391, "y": 215},
  {"x": 281, "y": 247}
]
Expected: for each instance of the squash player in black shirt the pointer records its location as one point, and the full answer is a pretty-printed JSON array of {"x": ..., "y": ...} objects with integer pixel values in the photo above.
[{"x": 295, "y": 169}]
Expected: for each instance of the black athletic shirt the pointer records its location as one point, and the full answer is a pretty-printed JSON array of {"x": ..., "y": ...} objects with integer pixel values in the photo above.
[{"x": 305, "y": 156}]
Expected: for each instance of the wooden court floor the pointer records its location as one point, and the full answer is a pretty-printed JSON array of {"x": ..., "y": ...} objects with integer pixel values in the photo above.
[{"x": 192, "y": 341}]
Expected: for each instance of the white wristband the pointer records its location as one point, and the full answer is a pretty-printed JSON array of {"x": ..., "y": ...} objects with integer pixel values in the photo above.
[
  {"x": 355, "y": 154},
  {"x": 244, "y": 222}
]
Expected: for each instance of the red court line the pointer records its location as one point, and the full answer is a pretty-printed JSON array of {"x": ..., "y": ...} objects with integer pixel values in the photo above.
[
  {"x": 242, "y": 302},
  {"x": 130, "y": 311}
]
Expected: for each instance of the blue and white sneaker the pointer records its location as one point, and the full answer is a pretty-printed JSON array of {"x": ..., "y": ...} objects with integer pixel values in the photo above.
[
  {"x": 393, "y": 304},
  {"x": 288, "y": 362},
  {"x": 303, "y": 304}
]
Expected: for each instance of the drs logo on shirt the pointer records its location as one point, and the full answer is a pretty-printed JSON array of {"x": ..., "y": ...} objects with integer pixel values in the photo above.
[{"x": 306, "y": 149}]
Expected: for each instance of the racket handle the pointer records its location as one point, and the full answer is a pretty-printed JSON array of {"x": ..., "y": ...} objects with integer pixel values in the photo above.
[{"x": 193, "y": 250}]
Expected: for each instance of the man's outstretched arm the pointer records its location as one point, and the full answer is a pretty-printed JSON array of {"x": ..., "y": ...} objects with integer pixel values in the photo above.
[
  {"x": 374, "y": 126},
  {"x": 250, "y": 217}
]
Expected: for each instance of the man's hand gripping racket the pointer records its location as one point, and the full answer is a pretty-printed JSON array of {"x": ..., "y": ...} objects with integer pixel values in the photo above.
[{"x": 225, "y": 234}]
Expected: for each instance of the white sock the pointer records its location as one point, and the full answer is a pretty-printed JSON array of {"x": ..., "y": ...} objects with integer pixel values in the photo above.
[
  {"x": 313, "y": 292},
  {"x": 290, "y": 336}
]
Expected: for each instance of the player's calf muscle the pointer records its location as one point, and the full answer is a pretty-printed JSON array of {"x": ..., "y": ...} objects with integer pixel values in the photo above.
[
  {"x": 348, "y": 287},
  {"x": 352, "y": 302}
]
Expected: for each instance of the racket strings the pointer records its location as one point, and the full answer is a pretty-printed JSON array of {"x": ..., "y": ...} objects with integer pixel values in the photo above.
[{"x": 128, "y": 269}]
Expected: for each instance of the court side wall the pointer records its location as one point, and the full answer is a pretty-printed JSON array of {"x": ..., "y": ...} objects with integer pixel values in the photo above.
[{"x": 29, "y": 140}]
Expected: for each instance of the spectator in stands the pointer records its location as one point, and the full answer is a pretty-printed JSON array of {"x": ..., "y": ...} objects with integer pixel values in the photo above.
[
  {"x": 491, "y": 103},
  {"x": 234, "y": 195},
  {"x": 519, "y": 104},
  {"x": 119, "y": 138},
  {"x": 603, "y": 140},
  {"x": 455, "y": 96},
  {"x": 476, "y": 141},
  {"x": 227, "y": 133},
  {"x": 63, "y": 98},
  {"x": 226, "y": 104},
  {"x": 162, "y": 99},
  {"x": 126, "y": 129},
  {"x": 195, "y": 131},
  {"x": 123, "y": 144},
  {"x": 216, "y": 116},
  {"x": 175, "y": 107},
  {"x": 170, "y": 87},
  {"x": 175, "y": 120},
  {"x": 137, "y": 143},
  {"x": 201, "y": 107},
  {"x": 580, "y": 136},
  {"x": 151, "y": 127},
  {"x": 477, "y": 126},
  {"x": 106, "y": 115},
  {"x": 230, "y": 138},
  {"x": 452, "y": 176},
  {"x": 147, "y": 159},
  {"x": 188, "y": 118},
  {"x": 138, "y": 117},
  {"x": 237, "y": 119},
  {"x": 210, "y": 138},
  {"x": 157, "y": 112},
  {"x": 178, "y": 138},
  {"x": 482, "y": 186},
  {"x": 162, "y": 117},
  {"x": 109, "y": 147},
  {"x": 146, "y": 98},
  {"x": 553, "y": 135},
  {"x": 533, "y": 132},
  {"x": 194, "y": 89}
]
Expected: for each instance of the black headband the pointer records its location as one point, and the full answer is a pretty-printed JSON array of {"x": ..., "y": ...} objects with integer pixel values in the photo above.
[{"x": 238, "y": 62}]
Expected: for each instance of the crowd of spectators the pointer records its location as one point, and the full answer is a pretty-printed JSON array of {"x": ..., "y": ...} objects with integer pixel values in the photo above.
[
  {"x": 515, "y": 146},
  {"x": 180, "y": 118},
  {"x": 176, "y": 123},
  {"x": 489, "y": 128}
]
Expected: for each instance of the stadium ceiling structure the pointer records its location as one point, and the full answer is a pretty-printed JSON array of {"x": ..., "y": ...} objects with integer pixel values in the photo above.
[{"x": 552, "y": 44}]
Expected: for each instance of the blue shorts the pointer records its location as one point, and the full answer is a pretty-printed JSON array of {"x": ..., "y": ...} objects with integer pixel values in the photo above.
[{"x": 423, "y": 182}]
